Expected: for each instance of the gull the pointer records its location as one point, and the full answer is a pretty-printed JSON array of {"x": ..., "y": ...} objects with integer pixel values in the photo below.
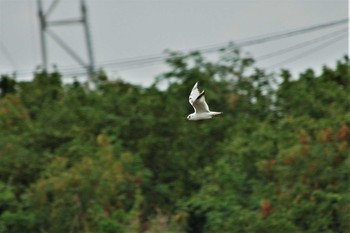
[{"x": 201, "y": 108}]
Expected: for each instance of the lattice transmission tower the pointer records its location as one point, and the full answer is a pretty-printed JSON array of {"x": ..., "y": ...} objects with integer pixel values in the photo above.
[{"x": 45, "y": 30}]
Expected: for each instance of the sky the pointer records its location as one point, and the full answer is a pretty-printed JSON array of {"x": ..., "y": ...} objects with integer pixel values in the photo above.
[{"x": 128, "y": 29}]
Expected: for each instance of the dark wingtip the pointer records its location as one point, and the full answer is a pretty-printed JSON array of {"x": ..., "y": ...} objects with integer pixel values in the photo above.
[{"x": 200, "y": 95}]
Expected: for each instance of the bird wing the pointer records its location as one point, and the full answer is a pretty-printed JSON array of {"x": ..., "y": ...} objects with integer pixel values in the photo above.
[
  {"x": 200, "y": 105},
  {"x": 197, "y": 100},
  {"x": 194, "y": 93}
]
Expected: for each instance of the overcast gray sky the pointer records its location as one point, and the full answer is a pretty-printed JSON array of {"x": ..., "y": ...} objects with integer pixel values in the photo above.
[{"x": 124, "y": 29}]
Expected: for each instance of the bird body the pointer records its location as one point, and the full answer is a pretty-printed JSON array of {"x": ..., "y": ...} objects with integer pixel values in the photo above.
[{"x": 201, "y": 108}]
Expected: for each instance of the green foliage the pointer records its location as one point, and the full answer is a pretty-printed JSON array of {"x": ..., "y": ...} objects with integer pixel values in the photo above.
[
  {"x": 116, "y": 157},
  {"x": 7, "y": 85},
  {"x": 83, "y": 196}
]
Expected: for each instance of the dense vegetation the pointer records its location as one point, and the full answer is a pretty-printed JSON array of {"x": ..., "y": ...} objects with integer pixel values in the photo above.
[{"x": 111, "y": 157}]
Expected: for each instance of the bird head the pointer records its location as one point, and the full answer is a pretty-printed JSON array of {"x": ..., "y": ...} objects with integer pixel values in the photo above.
[{"x": 189, "y": 117}]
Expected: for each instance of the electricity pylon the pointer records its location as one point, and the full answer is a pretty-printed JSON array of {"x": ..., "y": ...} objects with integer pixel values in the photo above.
[{"x": 45, "y": 31}]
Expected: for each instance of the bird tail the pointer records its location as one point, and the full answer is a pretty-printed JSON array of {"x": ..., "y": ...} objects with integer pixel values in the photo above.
[{"x": 215, "y": 113}]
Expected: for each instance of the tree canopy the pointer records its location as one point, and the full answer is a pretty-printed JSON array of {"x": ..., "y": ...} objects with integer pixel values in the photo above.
[{"x": 110, "y": 156}]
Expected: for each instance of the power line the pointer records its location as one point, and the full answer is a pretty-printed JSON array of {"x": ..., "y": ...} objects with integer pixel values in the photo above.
[
  {"x": 241, "y": 43},
  {"x": 300, "y": 45},
  {"x": 152, "y": 59},
  {"x": 338, "y": 36},
  {"x": 277, "y": 36},
  {"x": 129, "y": 64},
  {"x": 310, "y": 51}
]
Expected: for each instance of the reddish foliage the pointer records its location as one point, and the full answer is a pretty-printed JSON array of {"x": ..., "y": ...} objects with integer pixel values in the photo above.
[
  {"x": 304, "y": 138},
  {"x": 268, "y": 166},
  {"x": 265, "y": 208},
  {"x": 289, "y": 160},
  {"x": 326, "y": 135},
  {"x": 270, "y": 163},
  {"x": 4, "y": 110},
  {"x": 138, "y": 180},
  {"x": 343, "y": 146},
  {"x": 343, "y": 133}
]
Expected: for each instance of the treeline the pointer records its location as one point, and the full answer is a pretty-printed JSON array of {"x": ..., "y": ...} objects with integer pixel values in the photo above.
[{"x": 111, "y": 157}]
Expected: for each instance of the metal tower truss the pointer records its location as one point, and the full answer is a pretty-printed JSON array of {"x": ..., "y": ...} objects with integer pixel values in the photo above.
[{"x": 45, "y": 30}]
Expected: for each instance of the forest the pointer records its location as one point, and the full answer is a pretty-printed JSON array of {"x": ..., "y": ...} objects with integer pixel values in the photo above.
[{"x": 107, "y": 156}]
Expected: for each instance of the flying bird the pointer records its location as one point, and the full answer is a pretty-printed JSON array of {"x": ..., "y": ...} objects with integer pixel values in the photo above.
[{"x": 201, "y": 108}]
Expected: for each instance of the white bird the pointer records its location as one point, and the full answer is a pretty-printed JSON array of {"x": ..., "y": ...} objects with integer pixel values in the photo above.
[{"x": 201, "y": 109}]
